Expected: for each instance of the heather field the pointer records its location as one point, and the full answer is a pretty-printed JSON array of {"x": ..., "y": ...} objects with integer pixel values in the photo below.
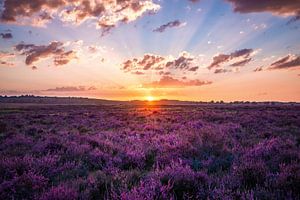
[{"x": 145, "y": 152}]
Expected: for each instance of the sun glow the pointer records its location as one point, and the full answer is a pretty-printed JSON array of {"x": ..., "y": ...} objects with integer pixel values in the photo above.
[{"x": 150, "y": 98}]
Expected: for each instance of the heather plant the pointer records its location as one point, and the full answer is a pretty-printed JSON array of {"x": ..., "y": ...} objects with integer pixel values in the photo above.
[
  {"x": 251, "y": 174},
  {"x": 25, "y": 186},
  {"x": 2, "y": 127},
  {"x": 159, "y": 152},
  {"x": 60, "y": 192},
  {"x": 185, "y": 182},
  {"x": 288, "y": 179}
]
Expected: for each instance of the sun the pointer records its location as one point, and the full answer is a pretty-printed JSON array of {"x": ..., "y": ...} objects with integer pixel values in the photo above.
[{"x": 150, "y": 98}]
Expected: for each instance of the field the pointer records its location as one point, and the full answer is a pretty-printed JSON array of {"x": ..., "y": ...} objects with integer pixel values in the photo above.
[{"x": 133, "y": 152}]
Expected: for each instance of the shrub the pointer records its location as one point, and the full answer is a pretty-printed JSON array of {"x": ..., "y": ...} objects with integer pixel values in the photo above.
[
  {"x": 251, "y": 173},
  {"x": 61, "y": 192},
  {"x": 185, "y": 182},
  {"x": 26, "y": 186}
]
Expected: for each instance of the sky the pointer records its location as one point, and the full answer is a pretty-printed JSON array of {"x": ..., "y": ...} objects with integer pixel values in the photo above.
[{"x": 197, "y": 50}]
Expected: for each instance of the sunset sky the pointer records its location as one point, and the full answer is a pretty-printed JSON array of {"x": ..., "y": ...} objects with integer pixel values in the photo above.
[{"x": 162, "y": 49}]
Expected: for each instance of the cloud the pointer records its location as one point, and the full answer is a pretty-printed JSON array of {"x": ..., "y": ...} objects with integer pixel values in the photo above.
[
  {"x": 106, "y": 14},
  {"x": 71, "y": 89},
  {"x": 5, "y": 58},
  {"x": 171, "y": 24},
  {"x": 94, "y": 49},
  {"x": 258, "y": 69},
  {"x": 241, "y": 63},
  {"x": 294, "y": 19},
  {"x": 147, "y": 62},
  {"x": 287, "y": 62},
  {"x": 185, "y": 62},
  {"x": 53, "y": 50},
  {"x": 276, "y": 7},
  {"x": 4, "y": 55},
  {"x": 6, "y": 35},
  {"x": 138, "y": 73},
  {"x": 160, "y": 64},
  {"x": 170, "y": 82},
  {"x": 239, "y": 57},
  {"x": 34, "y": 68},
  {"x": 28, "y": 12},
  {"x": 64, "y": 58},
  {"x": 124, "y": 11},
  {"x": 5, "y": 63},
  {"x": 165, "y": 67},
  {"x": 219, "y": 71}
]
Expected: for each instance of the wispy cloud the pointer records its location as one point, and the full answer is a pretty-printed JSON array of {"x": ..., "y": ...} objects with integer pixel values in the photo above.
[
  {"x": 168, "y": 25},
  {"x": 239, "y": 57},
  {"x": 287, "y": 62},
  {"x": 258, "y": 69},
  {"x": 170, "y": 82},
  {"x": 71, "y": 89},
  {"x": 53, "y": 50},
  {"x": 220, "y": 71},
  {"x": 5, "y": 58}
]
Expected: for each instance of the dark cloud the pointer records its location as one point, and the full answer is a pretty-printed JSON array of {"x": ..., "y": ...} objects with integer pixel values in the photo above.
[
  {"x": 147, "y": 62},
  {"x": 160, "y": 64},
  {"x": 241, "y": 63},
  {"x": 34, "y": 68},
  {"x": 218, "y": 60},
  {"x": 276, "y": 7},
  {"x": 241, "y": 57},
  {"x": 193, "y": 69},
  {"x": 64, "y": 58},
  {"x": 107, "y": 14},
  {"x": 54, "y": 50},
  {"x": 5, "y": 63},
  {"x": 289, "y": 61},
  {"x": 219, "y": 71},
  {"x": 138, "y": 73},
  {"x": 37, "y": 12},
  {"x": 185, "y": 62},
  {"x": 258, "y": 69},
  {"x": 294, "y": 19},
  {"x": 71, "y": 89},
  {"x": 164, "y": 73},
  {"x": 6, "y": 35},
  {"x": 170, "y": 82},
  {"x": 105, "y": 28},
  {"x": 171, "y": 24}
]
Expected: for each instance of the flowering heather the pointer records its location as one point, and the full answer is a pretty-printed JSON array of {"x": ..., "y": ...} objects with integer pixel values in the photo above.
[{"x": 145, "y": 152}]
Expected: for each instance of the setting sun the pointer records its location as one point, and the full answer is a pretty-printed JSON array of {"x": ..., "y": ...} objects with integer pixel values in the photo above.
[{"x": 150, "y": 98}]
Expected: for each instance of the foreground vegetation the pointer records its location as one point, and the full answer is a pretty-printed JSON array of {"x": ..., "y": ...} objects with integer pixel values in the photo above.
[{"x": 150, "y": 152}]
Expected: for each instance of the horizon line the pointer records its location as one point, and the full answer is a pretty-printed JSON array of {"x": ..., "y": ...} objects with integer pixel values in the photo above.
[{"x": 144, "y": 100}]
